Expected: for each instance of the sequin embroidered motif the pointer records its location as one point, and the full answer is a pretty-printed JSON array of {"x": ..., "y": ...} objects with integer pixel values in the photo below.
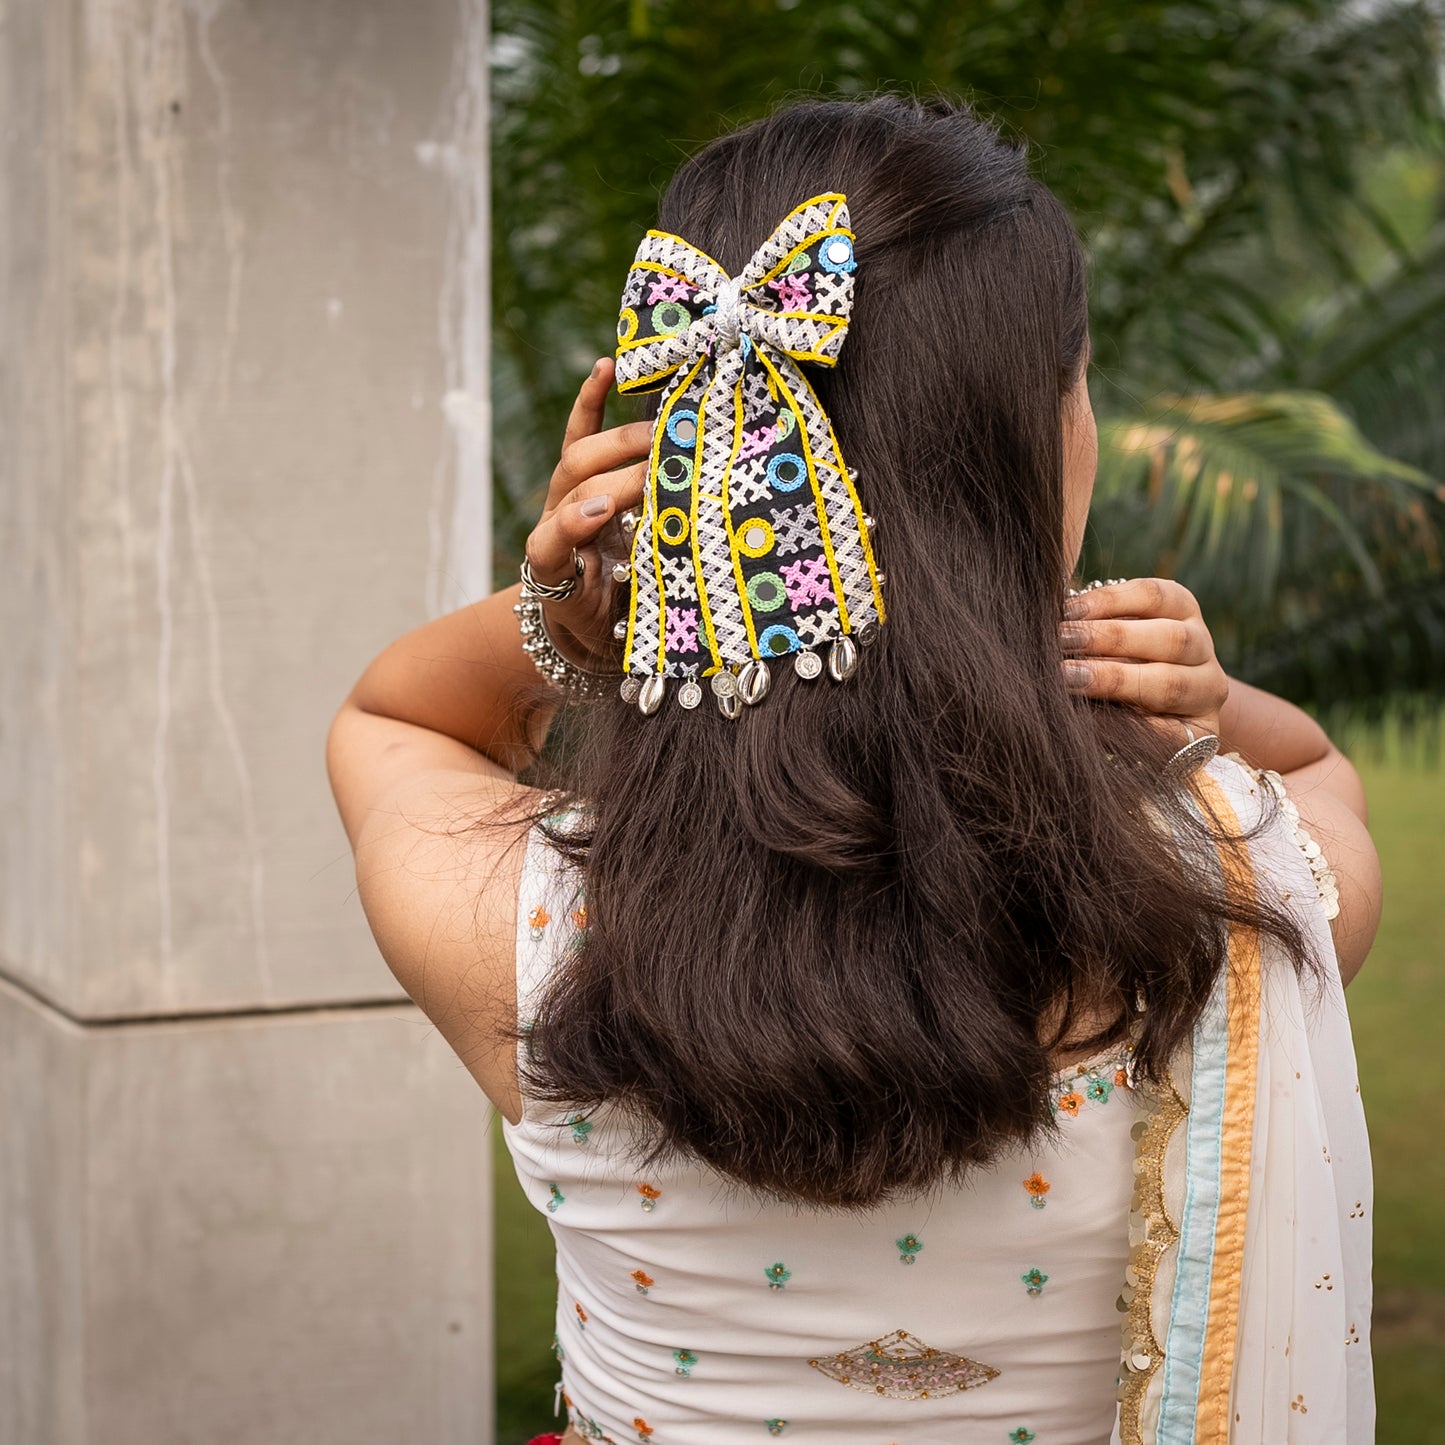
[
  {"x": 908, "y": 1248},
  {"x": 900, "y": 1367}
]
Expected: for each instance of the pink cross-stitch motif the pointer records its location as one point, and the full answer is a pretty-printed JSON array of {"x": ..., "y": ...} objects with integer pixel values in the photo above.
[
  {"x": 682, "y": 629},
  {"x": 793, "y": 292},
  {"x": 807, "y": 581},
  {"x": 756, "y": 443},
  {"x": 669, "y": 288}
]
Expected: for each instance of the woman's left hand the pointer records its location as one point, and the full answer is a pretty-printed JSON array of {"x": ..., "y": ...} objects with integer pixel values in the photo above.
[{"x": 1145, "y": 642}]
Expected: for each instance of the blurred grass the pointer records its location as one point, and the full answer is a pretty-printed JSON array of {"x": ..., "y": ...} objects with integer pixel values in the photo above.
[{"x": 1397, "y": 1005}]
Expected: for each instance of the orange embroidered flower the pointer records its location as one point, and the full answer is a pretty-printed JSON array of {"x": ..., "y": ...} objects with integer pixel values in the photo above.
[
  {"x": 581, "y": 1313},
  {"x": 644, "y": 1280},
  {"x": 1037, "y": 1186},
  {"x": 1121, "y": 1078},
  {"x": 579, "y": 916},
  {"x": 1071, "y": 1103},
  {"x": 650, "y": 1196},
  {"x": 644, "y": 1430},
  {"x": 538, "y": 918}
]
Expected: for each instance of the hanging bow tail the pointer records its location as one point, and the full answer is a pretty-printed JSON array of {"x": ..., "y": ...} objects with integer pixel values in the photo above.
[{"x": 752, "y": 543}]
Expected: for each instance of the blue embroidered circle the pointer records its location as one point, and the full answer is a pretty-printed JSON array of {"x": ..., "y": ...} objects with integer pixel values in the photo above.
[
  {"x": 682, "y": 427},
  {"x": 675, "y": 472},
  {"x": 670, "y": 317},
  {"x": 791, "y": 480},
  {"x": 766, "y": 591},
  {"x": 777, "y": 640},
  {"x": 836, "y": 255}
]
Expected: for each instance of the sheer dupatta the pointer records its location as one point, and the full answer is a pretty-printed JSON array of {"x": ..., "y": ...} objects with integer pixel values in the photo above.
[{"x": 1247, "y": 1301}]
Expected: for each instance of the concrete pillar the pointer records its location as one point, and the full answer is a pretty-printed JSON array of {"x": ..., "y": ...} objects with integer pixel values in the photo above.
[{"x": 243, "y": 442}]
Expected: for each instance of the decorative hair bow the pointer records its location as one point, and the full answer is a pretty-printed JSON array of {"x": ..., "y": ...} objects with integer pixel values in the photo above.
[{"x": 752, "y": 543}]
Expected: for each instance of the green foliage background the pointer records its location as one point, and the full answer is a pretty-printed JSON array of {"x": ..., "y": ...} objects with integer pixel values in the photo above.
[{"x": 1262, "y": 189}]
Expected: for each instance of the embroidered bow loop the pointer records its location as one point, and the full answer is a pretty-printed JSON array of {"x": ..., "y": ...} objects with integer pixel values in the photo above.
[{"x": 745, "y": 471}]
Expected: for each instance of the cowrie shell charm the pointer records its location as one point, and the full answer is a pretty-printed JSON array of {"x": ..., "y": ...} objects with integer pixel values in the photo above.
[{"x": 753, "y": 682}]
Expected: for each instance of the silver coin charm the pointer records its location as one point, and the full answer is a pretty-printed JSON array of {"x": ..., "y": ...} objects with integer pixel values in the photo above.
[
  {"x": 631, "y": 686},
  {"x": 723, "y": 684},
  {"x": 868, "y": 634},
  {"x": 842, "y": 659},
  {"x": 753, "y": 682},
  {"x": 650, "y": 698},
  {"x": 807, "y": 664},
  {"x": 689, "y": 694},
  {"x": 729, "y": 704}
]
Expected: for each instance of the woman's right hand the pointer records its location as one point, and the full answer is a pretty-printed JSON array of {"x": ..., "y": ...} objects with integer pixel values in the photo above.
[{"x": 598, "y": 476}]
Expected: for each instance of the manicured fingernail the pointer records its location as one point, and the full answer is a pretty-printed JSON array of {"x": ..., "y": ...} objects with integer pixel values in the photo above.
[
  {"x": 1074, "y": 607},
  {"x": 1073, "y": 637},
  {"x": 1077, "y": 675},
  {"x": 595, "y": 506},
  {"x": 596, "y": 369}
]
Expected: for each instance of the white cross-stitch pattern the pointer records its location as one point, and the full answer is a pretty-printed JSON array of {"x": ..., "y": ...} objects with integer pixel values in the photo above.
[{"x": 795, "y": 528}]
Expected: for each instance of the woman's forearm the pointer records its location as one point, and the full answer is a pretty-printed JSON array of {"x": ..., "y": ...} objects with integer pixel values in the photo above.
[
  {"x": 464, "y": 675},
  {"x": 1271, "y": 733}
]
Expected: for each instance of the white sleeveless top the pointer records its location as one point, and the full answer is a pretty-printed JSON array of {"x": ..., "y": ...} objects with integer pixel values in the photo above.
[{"x": 691, "y": 1313}]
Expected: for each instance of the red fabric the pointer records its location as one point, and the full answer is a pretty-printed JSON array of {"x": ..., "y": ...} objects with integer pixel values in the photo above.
[{"x": 545, "y": 1440}]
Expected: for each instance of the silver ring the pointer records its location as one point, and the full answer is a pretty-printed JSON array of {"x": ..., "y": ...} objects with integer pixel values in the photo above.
[{"x": 552, "y": 591}]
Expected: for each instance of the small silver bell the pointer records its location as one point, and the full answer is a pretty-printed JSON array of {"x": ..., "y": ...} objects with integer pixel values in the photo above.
[
  {"x": 621, "y": 571},
  {"x": 882, "y": 578},
  {"x": 650, "y": 698},
  {"x": 619, "y": 628},
  {"x": 869, "y": 525},
  {"x": 842, "y": 659},
  {"x": 629, "y": 520},
  {"x": 853, "y": 475},
  {"x": 753, "y": 681},
  {"x": 729, "y": 704}
]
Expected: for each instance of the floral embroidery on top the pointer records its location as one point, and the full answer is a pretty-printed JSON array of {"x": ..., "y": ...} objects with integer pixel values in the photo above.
[
  {"x": 579, "y": 915},
  {"x": 686, "y": 1359},
  {"x": 557, "y": 1348},
  {"x": 644, "y": 1430},
  {"x": 538, "y": 918},
  {"x": 1021, "y": 1436},
  {"x": 1037, "y": 1187},
  {"x": 581, "y": 1313},
  {"x": 581, "y": 1128},
  {"x": 776, "y": 1427},
  {"x": 778, "y": 1275},
  {"x": 650, "y": 1196},
  {"x": 557, "y": 1200},
  {"x": 1034, "y": 1281},
  {"x": 908, "y": 1248},
  {"x": 643, "y": 1280},
  {"x": 1071, "y": 1103},
  {"x": 1098, "y": 1088}
]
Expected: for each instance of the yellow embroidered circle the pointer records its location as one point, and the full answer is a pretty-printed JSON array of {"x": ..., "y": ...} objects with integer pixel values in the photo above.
[
  {"x": 755, "y": 537},
  {"x": 627, "y": 324},
  {"x": 672, "y": 526}
]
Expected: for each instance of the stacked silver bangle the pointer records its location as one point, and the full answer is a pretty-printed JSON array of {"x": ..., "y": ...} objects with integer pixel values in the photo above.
[{"x": 580, "y": 682}]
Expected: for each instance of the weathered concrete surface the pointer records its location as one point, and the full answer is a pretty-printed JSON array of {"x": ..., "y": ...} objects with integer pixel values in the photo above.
[
  {"x": 241, "y": 1232},
  {"x": 242, "y": 444}
]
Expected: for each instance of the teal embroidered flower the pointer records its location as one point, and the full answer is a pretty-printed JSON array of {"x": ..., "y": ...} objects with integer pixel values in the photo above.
[
  {"x": 1098, "y": 1089},
  {"x": 776, "y": 1427},
  {"x": 557, "y": 1200},
  {"x": 1034, "y": 1281},
  {"x": 557, "y": 1349},
  {"x": 581, "y": 1128},
  {"x": 686, "y": 1359},
  {"x": 778, "y": 1275},
  {"x": 908, "y": 1248},
  {"x": 1021, "y": 1436}
]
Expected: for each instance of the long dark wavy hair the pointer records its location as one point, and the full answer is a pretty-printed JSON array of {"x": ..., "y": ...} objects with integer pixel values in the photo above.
[{"x": 831, "y": 946}]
